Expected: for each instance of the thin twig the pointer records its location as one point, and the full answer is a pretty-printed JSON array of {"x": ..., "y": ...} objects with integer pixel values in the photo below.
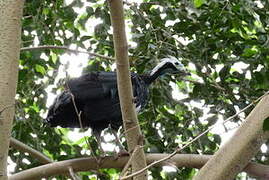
[
  {"x": 193, "y": 140},
  {"x": 80, "y": 121},
  {"x": 130, "y": 129},
  {"x": 169, "y": 34},
  {"x": 76, "y": 109},
  {"x": 67, "y": 49},
  {"x": 26, "y": 17},
  {"x": 124, "y": 171},
  {"x": 212, "y": 84},
  {"x": 72, "y": 174},
  {"x": 130, "y": 4}
]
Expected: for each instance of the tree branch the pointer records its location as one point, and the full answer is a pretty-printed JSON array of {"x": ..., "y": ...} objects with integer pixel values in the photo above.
[
  {"x": 66, "y": 49},
  {"x": 125, "y": 87},
  {"x": 88, "y": 164},
  {"x": 34, "y": 153}
]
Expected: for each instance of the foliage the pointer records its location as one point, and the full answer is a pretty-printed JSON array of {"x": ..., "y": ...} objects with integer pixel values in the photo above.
[{"x": 224, "y": 44}]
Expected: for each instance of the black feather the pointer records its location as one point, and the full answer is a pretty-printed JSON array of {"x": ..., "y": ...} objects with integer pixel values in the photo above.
[{"x": 94, "y": 96}]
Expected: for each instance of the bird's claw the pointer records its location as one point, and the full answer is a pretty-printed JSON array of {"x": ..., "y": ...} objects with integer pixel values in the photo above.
[{"x": 121, "y": 153}]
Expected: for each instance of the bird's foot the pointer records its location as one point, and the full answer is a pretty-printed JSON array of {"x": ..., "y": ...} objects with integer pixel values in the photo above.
[
  {"x": 102, "y": 154},
  {"x": 121, "y": 153},
  {"x": 100, "y": 159}
]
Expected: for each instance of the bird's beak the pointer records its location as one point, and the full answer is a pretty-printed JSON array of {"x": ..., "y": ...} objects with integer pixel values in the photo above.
[
  {"x": 182, "y": 72},
  {"x": 185, "y": 73}
]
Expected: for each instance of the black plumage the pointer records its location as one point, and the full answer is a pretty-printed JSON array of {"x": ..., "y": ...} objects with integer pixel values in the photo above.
[{"x": 92, "y": 99}]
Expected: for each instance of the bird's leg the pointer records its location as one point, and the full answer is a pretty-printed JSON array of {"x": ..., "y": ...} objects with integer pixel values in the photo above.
[
  {"x": 118, "y": 143},
  {"x": 97, "y": 135}
]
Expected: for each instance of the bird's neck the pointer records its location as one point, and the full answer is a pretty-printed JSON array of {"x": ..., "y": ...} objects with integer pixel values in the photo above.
[{"x": 154, "y": 74}]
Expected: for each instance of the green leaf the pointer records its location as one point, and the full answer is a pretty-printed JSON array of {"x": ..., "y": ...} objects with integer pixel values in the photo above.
[
  {"x": 198, "y": 3},
  {"x": 265, "y": 126},
  {"x": 53, "y": 57},
  {"x": 84, "y": 38},
  {"x": 46, "y": 11},
  {"x": 40, "y": 69},
  {"x": 248, "y": 52},
  {"x": 35, "y": 107}
]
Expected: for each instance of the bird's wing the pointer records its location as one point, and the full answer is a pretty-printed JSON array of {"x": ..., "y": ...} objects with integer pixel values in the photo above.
[
  {"x": 103, "y": 86},
  {"x": 62, "y": 113},
  {"x": 94, "y": 85}
]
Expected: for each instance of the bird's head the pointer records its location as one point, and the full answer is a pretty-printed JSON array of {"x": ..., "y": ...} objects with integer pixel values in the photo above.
[{"x": 170, "y": 65}]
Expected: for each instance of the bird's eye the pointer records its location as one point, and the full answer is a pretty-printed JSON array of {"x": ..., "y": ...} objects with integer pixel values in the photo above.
[{"x": 177, "y": 63}]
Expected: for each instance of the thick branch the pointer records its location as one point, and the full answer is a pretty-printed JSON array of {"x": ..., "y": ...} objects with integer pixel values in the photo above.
[
  {"x": 34, "y": 153},
  {"x": 134, "y": 136},
  {"x": 66, "y": 49},
  {"x": 88, "y": 164},
  {"x": 237, "y": 152}
]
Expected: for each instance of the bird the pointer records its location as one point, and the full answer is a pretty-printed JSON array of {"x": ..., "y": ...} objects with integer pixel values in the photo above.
[{"x": 92, "y": 100}]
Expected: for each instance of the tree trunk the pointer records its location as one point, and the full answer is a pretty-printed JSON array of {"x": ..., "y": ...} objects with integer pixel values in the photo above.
[
  {"x": 130, "y": 122},
  {"x": 10, "y": 35},
  {"x": 237, "y": 152}
]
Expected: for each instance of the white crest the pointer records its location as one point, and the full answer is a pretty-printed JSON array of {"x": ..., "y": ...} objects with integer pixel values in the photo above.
[{"x": 169, "y": 59}]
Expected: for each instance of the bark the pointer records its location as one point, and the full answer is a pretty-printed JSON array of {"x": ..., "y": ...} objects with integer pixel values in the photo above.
[
  {"x": 10, "y": 35},
  {"x": 88, "y": 164},
  {"x": 130, "y": 122},
  {"x": 238, "y": 151}
]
